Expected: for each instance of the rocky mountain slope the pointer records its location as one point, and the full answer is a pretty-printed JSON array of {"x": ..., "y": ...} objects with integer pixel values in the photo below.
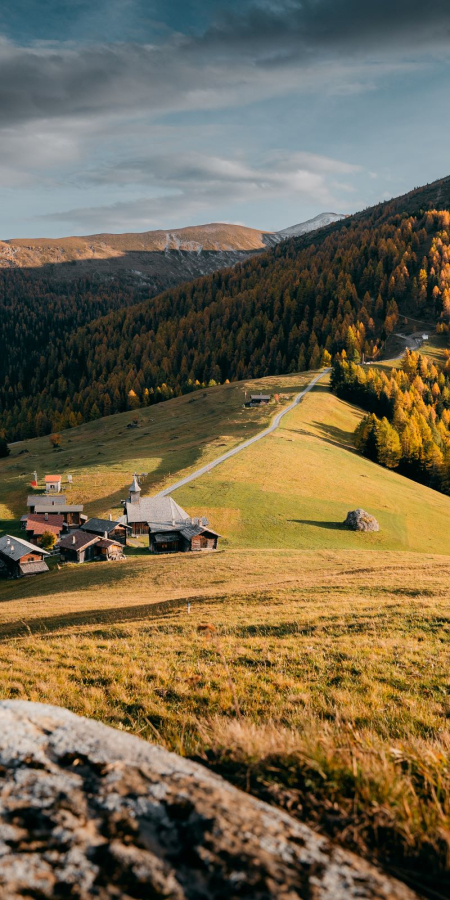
[{"x": 162, "y": 258}]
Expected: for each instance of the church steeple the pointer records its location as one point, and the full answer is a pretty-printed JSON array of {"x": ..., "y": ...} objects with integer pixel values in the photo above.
[{"x": 135, "y": 491}]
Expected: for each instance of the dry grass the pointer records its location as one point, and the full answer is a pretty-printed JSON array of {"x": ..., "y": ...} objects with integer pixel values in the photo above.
[
  {"x": 324, "y": 684},
  {"x": 338, "y": 664}
]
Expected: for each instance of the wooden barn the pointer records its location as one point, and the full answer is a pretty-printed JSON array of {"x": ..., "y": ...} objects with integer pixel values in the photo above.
[
  {"x": 19, "y": 557},
  {"x": 57, "y": 506},
  {"x": 78, "y": 547},
  {"x": 115, "y": 531},
  {"x": 36, "y": 524}
]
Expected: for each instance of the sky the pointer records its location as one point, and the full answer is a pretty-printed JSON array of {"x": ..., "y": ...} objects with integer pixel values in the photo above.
[{"x": 131, "y": 115}]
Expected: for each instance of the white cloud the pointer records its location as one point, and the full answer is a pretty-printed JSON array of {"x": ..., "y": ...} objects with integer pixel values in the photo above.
[{"x": 182, "y": 187}]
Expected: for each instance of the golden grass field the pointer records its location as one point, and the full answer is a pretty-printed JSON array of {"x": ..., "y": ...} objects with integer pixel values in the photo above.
[{"x": 322, "y": 679}]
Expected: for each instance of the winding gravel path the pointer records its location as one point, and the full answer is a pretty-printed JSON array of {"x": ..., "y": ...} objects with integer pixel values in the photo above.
[{"x": 257, "y": 437}]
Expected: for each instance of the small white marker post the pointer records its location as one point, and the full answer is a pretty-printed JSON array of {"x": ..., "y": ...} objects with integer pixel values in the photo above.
[{"x": 188, "y": 607}]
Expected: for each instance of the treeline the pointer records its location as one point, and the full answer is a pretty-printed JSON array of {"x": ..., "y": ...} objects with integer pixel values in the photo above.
[
  {"x": 407, "y": 426},
  {"x": 290, "y": 309}
]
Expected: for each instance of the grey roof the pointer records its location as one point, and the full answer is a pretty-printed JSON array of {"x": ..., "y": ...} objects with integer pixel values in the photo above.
[
  {"x": 156, "y": 511},
  {"x": 134, "y": 487},
  {"x": 260, "y": 396},
  {"x": 192, "y": 530},
  {"x": 33, "y": 568},
  {"x": 59, "y": 508},
  {"x": 57, "y": 500},
  {"x": 78, "y": 540},
  {"x": 14, "y": 548},
  {"x": 163, "y": 536},
  {"x": 99, "y": 526}
]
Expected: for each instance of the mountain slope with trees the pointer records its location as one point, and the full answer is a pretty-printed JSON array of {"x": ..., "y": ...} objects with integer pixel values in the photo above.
[{"x": 292, "y": 308}]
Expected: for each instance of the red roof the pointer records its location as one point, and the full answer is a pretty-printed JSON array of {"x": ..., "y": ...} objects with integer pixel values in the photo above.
[
  {"x": 38, "y": 524},
  {"x": 50, "y": 478}
]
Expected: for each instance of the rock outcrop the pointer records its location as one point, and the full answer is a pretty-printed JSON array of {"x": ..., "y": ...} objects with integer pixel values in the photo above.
[
  {"x": 360, "y": 520},
  {"x": 88, "y": 812}
]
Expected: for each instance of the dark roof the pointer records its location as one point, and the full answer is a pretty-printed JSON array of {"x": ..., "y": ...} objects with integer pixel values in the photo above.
[
  {"x": 14, "y": 548},
  {"x": 106, "y": 542},
  {"x": 193, "y": 530},
  {"x": 99, "y": 526},
  {"x": 82, "y": 540},
  {"x": 33, "y": 568},
  {"x": 167, "y": 537}
]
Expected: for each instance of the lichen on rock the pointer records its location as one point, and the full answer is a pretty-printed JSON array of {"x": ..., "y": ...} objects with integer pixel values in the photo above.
[
  {"x": 360, "y": 520},
  {"x": 89, "y": 812}
]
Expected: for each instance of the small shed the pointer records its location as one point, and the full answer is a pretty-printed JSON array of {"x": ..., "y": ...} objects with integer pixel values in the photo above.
[
  {"x": 259, "y": 399},
  {"x": 78, "y": 546},
  {"x": 107, "y": 549},
  {"x": 53, "y": 484}
]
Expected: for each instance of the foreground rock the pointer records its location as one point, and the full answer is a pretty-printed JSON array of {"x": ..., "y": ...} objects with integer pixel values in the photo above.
[
  {"x": 360, "y": 520},
  {"x": 87, "y": 811}
]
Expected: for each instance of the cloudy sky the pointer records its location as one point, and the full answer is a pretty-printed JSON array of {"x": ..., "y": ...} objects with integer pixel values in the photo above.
[{"x": 128, "y": 115}]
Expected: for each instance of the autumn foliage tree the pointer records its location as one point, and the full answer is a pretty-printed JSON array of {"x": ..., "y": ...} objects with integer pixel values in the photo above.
[{"x": 408, "y": 421}]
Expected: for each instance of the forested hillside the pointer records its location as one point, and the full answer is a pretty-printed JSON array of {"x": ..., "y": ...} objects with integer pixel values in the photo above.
[
  {"x": 407, "y": 427},
  {"x": 289, "y": 309}
]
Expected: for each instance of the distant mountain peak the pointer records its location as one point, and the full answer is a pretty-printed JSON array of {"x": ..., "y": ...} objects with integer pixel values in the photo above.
[{"x": 319, "y": 221}]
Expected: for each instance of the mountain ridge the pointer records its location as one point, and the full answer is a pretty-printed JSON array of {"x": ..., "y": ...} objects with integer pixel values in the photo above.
[{"x": 108, "y": 250}]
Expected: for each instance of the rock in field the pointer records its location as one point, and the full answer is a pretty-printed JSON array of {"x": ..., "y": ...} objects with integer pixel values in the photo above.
[
  {"x": 360, "y": 520},
  {"x": 89, "y": 812}
]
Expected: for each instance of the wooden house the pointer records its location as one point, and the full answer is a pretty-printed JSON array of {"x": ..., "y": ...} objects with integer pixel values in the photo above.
[
  {"x": 115, "y": 531},
  {"x": 36, "y": 524},
  {"x": 53, "y": 484},
  {"x": 57, "y": 506},
  {"x": 19, "y": 557},
  {"x": 109, "y": 550},
  {"x": 182, "y": 539},
  {"x": 169, "y": 527},
  {"x": 34, "y": 500},
  {"x": 259, "y": 399},
  {"x": 78, "y": 546},
  {"x": 81, "y": 546}
]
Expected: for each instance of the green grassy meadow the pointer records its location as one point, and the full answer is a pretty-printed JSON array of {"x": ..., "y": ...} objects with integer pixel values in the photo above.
[
  {"x": 178, "y": 435},
  {"x": 294, "y": 489}
]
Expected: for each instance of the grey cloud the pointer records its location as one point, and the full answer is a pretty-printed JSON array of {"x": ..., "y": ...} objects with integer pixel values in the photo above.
[
  {"x": 192, "y": 183},
  {"x": 265, "y": 50}
]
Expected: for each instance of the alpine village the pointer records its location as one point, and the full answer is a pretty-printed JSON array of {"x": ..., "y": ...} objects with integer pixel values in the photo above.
[{"x": 55, "y": 527}]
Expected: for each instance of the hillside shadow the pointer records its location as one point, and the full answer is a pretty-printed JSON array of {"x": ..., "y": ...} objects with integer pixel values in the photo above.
[
  {"x": 110, "y": 617},
  {"x": 334, "y": 435},
  {"x": 331, "y": 526}
]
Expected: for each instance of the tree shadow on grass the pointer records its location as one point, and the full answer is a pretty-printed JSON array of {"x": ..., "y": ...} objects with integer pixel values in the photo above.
[
  {"x": 331, "y": 526},
  {"x": 338, "y": 436}
]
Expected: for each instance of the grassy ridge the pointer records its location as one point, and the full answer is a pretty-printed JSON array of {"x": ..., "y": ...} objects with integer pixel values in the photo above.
[{"x": 294, "y": 489}]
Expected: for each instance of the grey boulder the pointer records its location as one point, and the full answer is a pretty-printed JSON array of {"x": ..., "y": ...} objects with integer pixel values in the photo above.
[
  {"x": 90, "y": 812},
  {"x": 360, "y": 520}
]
